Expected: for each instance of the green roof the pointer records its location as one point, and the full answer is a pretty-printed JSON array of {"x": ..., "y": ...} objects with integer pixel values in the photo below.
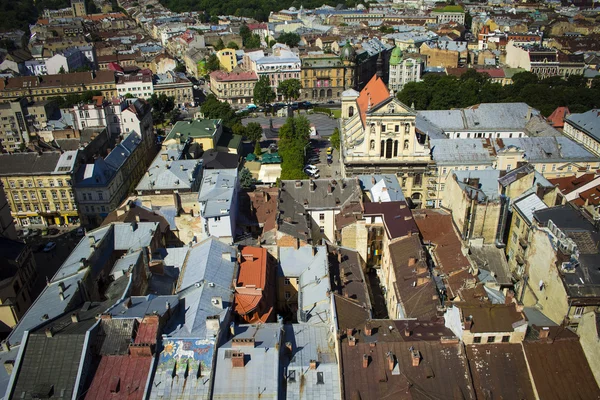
[
  {"x": 449, "y": 9},
  {"x": 271, "y": 158},
  {"x": 199, "y": 128},
  {"x": 229, "y": 141}
]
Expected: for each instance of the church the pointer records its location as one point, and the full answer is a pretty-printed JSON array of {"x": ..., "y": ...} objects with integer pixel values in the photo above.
[{"x": 379, "y": 136}]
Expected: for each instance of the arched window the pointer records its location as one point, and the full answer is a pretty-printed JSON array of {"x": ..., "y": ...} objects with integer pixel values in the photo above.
[
  {"x": 322, "y": 93},
  {"x": 389, "y": 144},
  {"x": 350, "y": 111},
  {"x": 395, "y": 148},
  {"x": 329, "y": 92},
  {"x": 406, "y": 144},
  {"x": 372, "y": 145}
]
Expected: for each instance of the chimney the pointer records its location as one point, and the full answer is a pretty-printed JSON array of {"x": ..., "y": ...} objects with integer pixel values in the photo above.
[
  {"x": 544, "y": 332},
  {"x": 339, "y": 256},
  {"x": 92, "y": 241},
  {"x": 407, "y": 332},
  {"x": 164, "y": 157},
  {"x": 82, "y": 263},
  {"x": 298, "y": 184},
  {"x": 128, "y": 303},
  {"x": 288, "y": 348},
  {"x": 232, "y": 329},
  {"x": 509, "y": 297},
  {"x": 312, "y": 185},
  {"x": 217, "y": 301},
  {"x": 48, "y": 332},
  {"x": 351, "y": 341},
  {"x": 365, "y": 361},
  {"x": 5, "y": 345},
  {"x": 313, "y": 364},
  {"x": 368, "y": 330},
  {"x": 529, "y": 113},
  {"x": 372, "y": 180},
  {"x": 9, "y": 366},
  {"x": 74, "y": 318},
  {"x": 329, "y": 188},
  {"x": 243, "y": 342},
  {"x": 137, "y": 218},
  {"x": 237, "y": 360},
  {"x": 415, "y": 355},
  {"x": 412, "y": 261},
  {"x": 227, "y": 256},
  {"x": 61, "y": 296},
  {"x": 390, "y": 360},
  {"x": 314, "y": 251},
  {"x": 349, "y": 331},
  {"x": 212, "y": 325},
  {"x": 61, "y": 287}
]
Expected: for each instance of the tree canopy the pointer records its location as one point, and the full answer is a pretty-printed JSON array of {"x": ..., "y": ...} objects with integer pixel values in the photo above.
[
  {"x": 437, "y": 92},
  {"x": 290, "y": 38},
  {"x": 215, "y": 109},
  {"x": 263, "y": 93},
  {"x": 293, "y": 141},
  {"x": 162, "y": 106},
  {"x": 290, "y": 89}
]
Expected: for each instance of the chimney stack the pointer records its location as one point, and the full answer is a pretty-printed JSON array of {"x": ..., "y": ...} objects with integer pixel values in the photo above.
[
  {"x": 312, "y": 185},
  {"x": 544, "y": 332},
  {"x": 237, "y": 360},
  {"x": 468, "y": 323},
  {"x": 349, "y": 331},
  {"x": 74, "y": 318},
  {"x": 9, "y": 366},
  {"x": 390, "y": 360},
  {"x": 61, "y": 287},
  {"x": 365, "y": 361},
  {"x": 5, "y": 345},
  {"x": 289, "y": 348},
  {"x": 351, "y": 341},
  {"x": 48, "y": 332},
  {"x": 412, "y": 261},
  {"x": 128, "y": 303},
  {"x": 415, "y": 355},
  {"x": 313, "y": 364},
  {"x": 407, "y": 332},
  {"x": 314, "y": 251},
  {"x": 509, "y": 297},
  {"x": 368, "y": 329},
  {"x": 61, "y": 296}
]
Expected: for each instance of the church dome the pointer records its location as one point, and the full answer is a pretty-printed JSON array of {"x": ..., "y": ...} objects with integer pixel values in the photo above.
[
  {"x": 396, "y": 56},
  {"x": 348, "y": 53}
]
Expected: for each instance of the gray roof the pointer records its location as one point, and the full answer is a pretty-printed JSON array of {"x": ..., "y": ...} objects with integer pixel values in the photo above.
[
  {"x": 310, "y": 343},
  {"x": 210, "y": 261},
  {"x": 29, "y": 163},
  {"x": 549, "y": 149},
  {"x": 527, "y": 205},
  {"x": 170, "y": 174},
  {"x": 117, "y": 157},
  {"x": 217, "y": 191},
  {"x": 293, "y": 262},
  {"x": 491, "y": 258},
  {"x": 461, "y": 151},
  {"x": 588, "y": 122},
  {"x": 382, "y": 187},
  {"x": 488, "y": 182},
  {"x": 144, "y": 305},
  {"x": 314, "y": 287},
  {"x": 260, "y": 377},
  {"x": 427, "y": 127},
  {"x": 326, "y": 193},
  {"x": 96, "y": 174}
]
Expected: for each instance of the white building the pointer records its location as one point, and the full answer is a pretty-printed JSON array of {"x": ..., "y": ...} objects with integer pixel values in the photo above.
[
  {"x": 36, "y": 67},
  {"x": 282, "y": 65},
  {"x": 404, "y": 68},
  {"x": 139, "y": 85},
  {"x": 218, "y": 203},
  {"x": 66, "y": 61}
]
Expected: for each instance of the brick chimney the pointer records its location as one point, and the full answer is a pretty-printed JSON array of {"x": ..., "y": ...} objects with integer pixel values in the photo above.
[
  {"x": 237, "y": 360},
  {"x": 509, "y": 297},
  {"x": 407, "y": 331},
  {"x": 243, "y": 342},
  {"x": 312, "y": 364},
  {"x": 468, "y": 323},
  {"x": 412, "y": 261},
  {"x": 349, "y": 331},
  {"x": 339, "y": 256},
  {"x": 368, "y": 329},
  {"x": 365, "y": 361},
  {"x": 351, "y": 341},
  {"x": 391, "y": 360},
  {"x": 312, "y": 185},
  {"x": 544, "y": 332},
  {"x": 415, "y": 355}
]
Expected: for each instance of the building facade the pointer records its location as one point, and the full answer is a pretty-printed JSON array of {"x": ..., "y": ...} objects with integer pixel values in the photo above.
[
  {"x": 235, "y": 88},
  {"x": 325, "y": 76},
  {"x": 404, "y": 68}
]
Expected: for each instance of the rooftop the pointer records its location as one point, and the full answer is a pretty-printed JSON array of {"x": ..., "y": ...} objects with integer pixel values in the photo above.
[
  {"x": 374, "y": 92},
  {"x": 588, "y": 122},
  {"x": 255, "y": 286},
  {"x": 166, "y": 173},
  {"x": 31, "y": 164},
  {"x": 217, "y": 192},
  {"x": 397, "y": 217},
  {"x": 198, "y": 128},
  {"x": 384, "y": 188}
]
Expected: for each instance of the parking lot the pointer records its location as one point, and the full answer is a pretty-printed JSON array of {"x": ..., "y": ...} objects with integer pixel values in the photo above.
[{"x": 326, "y": 170}]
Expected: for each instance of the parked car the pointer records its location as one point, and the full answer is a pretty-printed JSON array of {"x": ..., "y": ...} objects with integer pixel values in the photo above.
[
  {"x": 310, "y": 166},
  {"x": 331, "y": 102},
  {"x": 49, "y": 247},
  {"x": 80, "y": 232},
  {"x": 329, "y": 150},
  {"x": 313, "y": 170}
]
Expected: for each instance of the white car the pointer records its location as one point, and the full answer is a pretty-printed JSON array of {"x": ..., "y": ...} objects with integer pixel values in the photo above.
[{"x": 312, "y": 169}]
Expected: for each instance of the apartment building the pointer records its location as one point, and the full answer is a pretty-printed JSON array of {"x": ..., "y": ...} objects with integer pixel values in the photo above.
[
  {"x": 174, "y": 84},
  {"x": 36, "y": 88},
  {"x": 39, "y": 187},
  {"x": 21, "y": 121},
  {"x": 227, "y": 59},
  {"x": 325, "y": 76},
  {"x": 404, "y": 68},
  {"x": 16, "y": 280},
  {"x": 283, "y": 64},
  {"x": 137, "y": 85},
  {"x": 584, "y": 128},
  {"x": 235, "y": 88}
]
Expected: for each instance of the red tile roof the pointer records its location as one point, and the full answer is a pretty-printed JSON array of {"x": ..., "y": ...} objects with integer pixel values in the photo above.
[
  {"x": 557, "y": 118},
  {"x": 570, "y": 183},
  {"x": 120, "y": 377},
  {"x": 223, "y": 76},
  {"x": 254, "y": 289},
  {"x": 372, "y": 94},
  {"x": 492, "y": 72},
  {"x": 147, "y": 331},
  {"x": 397, "y": 218}
]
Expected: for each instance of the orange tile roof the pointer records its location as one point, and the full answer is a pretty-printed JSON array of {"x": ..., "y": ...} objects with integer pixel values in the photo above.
[
  {"x": 252, "y": 286},
  {"x": 570, "y": 183},
  {"x": 557, "y": 118},
  {"x": 372, "y": 94}
]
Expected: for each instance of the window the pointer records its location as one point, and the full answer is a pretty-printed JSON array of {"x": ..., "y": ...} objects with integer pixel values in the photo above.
[
  {"x": 505, "y": 339},
  {"x": 321, "y": 217},
  {"x": 491, "y": 339},
  {"x": 60, "y": 182},
  {"x": 508, "y": 167},
  {"x": 12, "y": 184},
  {"x": 288, "y": 295},
  {"x": 51, "y": 183},
  {"x": 397, "y": 128},
  {"x": 517, "y": 222},
  {"x": 63, "y": 194},
  {"x": 579, "y": 311},
  {"x": 43, "y": 194},
  {"x": 30, "y": 184},
  {"x": 382, "y": 128},
  {"x": 477, "y": 339},
  {"x": 16, "y": 196},
  {"x": 100, "y": 196},
  {"x": 40, "y": 183},
  {"x": 286, "y": 281},
  {"x": 514, "y": 237},
  {"x": 54, "y": 195}
]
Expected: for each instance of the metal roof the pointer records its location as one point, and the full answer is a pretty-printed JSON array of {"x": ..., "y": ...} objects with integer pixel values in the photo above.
[
  {"x": 217, "y": 192},
  {"x": 461, "y": 151},
  {"x": 526, "y": 206},
  {"x": 168, "y": 174},
  {"x": 588, "y": 122},
  {"x": 383, "y": 188}
]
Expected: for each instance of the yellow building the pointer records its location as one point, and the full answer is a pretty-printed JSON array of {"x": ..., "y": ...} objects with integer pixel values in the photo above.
[
  {"x": 325, "y": 76},
  {"x": 78, "y": 7},
  {"x": 39, "y": 187},
  {"x": 203, "y": 132},
  {"x": 227, "y": 59},
  {"x": 36, "y": 88}
]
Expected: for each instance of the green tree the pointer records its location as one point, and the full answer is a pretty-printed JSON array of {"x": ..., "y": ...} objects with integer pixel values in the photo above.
[
  {"x": 335, "y": 139},
  {"x": 62, "y": 70},
  {"x": 214, "y": 20},
  {"x": 219, "y": 45},
  {"x": 289, "y": 38},
  {"x": 245, "y": 33},
  {"x": 263, "y": 93},
  {"x": 254, "y": 132},
  {"x": 232, "y": 45},
  {"x": 213, "y": 63},
  {"x": 129, "y": 96},
  {"x": 386, "y": 29},
  {"x": 214, "y": 109},
  {"x": 162, "y": 105},
  {"x": 174, "y": 116},
  {"x": 272, "y": 42},
  {"x": 246, "y": 179},
  {"x": 293, "y": 142},
  {"x": 290, "y": 89},
  {"x": 253, "y": 42},
  {"x": 180, "y": 67},
  {"x": 239, "y": 129}
]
